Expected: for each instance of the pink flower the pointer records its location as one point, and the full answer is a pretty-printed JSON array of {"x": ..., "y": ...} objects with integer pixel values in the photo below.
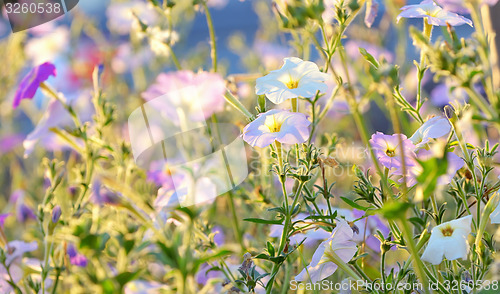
[
  {"x": 277, "y": 125},
  {"x": 189, "y": 92},
  {"x": 387, "y": 150},
  {"x": 31, "y": 82},
  {"x": 434, "y": 14}
]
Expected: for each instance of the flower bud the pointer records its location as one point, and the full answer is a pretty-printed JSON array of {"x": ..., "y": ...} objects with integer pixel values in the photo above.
[{"x": 56, "y": 214}]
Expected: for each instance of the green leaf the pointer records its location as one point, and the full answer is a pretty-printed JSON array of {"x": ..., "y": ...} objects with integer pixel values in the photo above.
[
  {"x": 432, "y": 169},
  {"x": 270, "y": 248},
  {"x": 264, "y": 221},
  {"x": 369, "y": 57},
  {"x": 394, "y": 210},
  {"x": 354, "y": 204}
]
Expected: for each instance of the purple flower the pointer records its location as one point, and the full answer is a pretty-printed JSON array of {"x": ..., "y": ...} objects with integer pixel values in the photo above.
[
  {"x": 277, "y": 125},
  {"x": 23, "y": 211},
  {"x": 9, "y": 142},
  {"x": 434, "y": 14},
  {"x": 102, "y": 195},
  {"x": 76, "y": 258},
  {"x": 56, "y": 214},
  {"x": 458, "y": 6},
  {"x": 387, "y": 150},
  {"x": 31, "y": 82},
  {"x": 2, "y": 218},
  {"x": 219, "y": 237}
]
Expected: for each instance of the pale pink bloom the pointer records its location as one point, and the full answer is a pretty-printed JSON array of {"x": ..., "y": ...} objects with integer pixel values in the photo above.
[
  {"x": 189, "y": 92},
  {"x": 388, "y": 151}
]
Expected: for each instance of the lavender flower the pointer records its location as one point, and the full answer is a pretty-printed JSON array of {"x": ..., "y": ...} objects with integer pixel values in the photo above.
[
  {"x": 31, "y": 82},
  {"x": 387, "y": 149},
  {"x": 76, "y": 258},
  {"x": 56, "y": 214},
  {"x": 102, "y": 195},
  {"x": 16, "y": 249},
  {"x": 277, "y": 125},
  {"x": 23, "y": 211},
  {"x": 434, "y": 14}
]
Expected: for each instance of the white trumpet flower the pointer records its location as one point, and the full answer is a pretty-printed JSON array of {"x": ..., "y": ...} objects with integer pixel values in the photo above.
[{"x": 449, "y": 240}]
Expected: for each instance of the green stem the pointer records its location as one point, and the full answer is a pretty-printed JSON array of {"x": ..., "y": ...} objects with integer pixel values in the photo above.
[
  {"x": 419, "y": 266},
  {"x": 213, "y": 43},
  {"x": 237, "y": 104}
]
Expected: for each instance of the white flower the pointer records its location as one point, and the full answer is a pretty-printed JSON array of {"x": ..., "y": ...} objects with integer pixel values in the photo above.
[
  {"x": 296, "y": 78},
  {"x": 434, "y": 14},
  {"x": 449, "y": 240},
  {"x": 340, "y": 243},
  {"x": 434, "y": 128},
  {"x": 121, "y": 15}
]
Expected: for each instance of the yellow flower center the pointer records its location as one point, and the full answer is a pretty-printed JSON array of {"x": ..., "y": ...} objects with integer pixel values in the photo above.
[
  {"x": 391, "y": 152},
  {"x": 273, "y": 125},
  {"x": 447, "y": 231},
  {"x": 292, "y": 84}
]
